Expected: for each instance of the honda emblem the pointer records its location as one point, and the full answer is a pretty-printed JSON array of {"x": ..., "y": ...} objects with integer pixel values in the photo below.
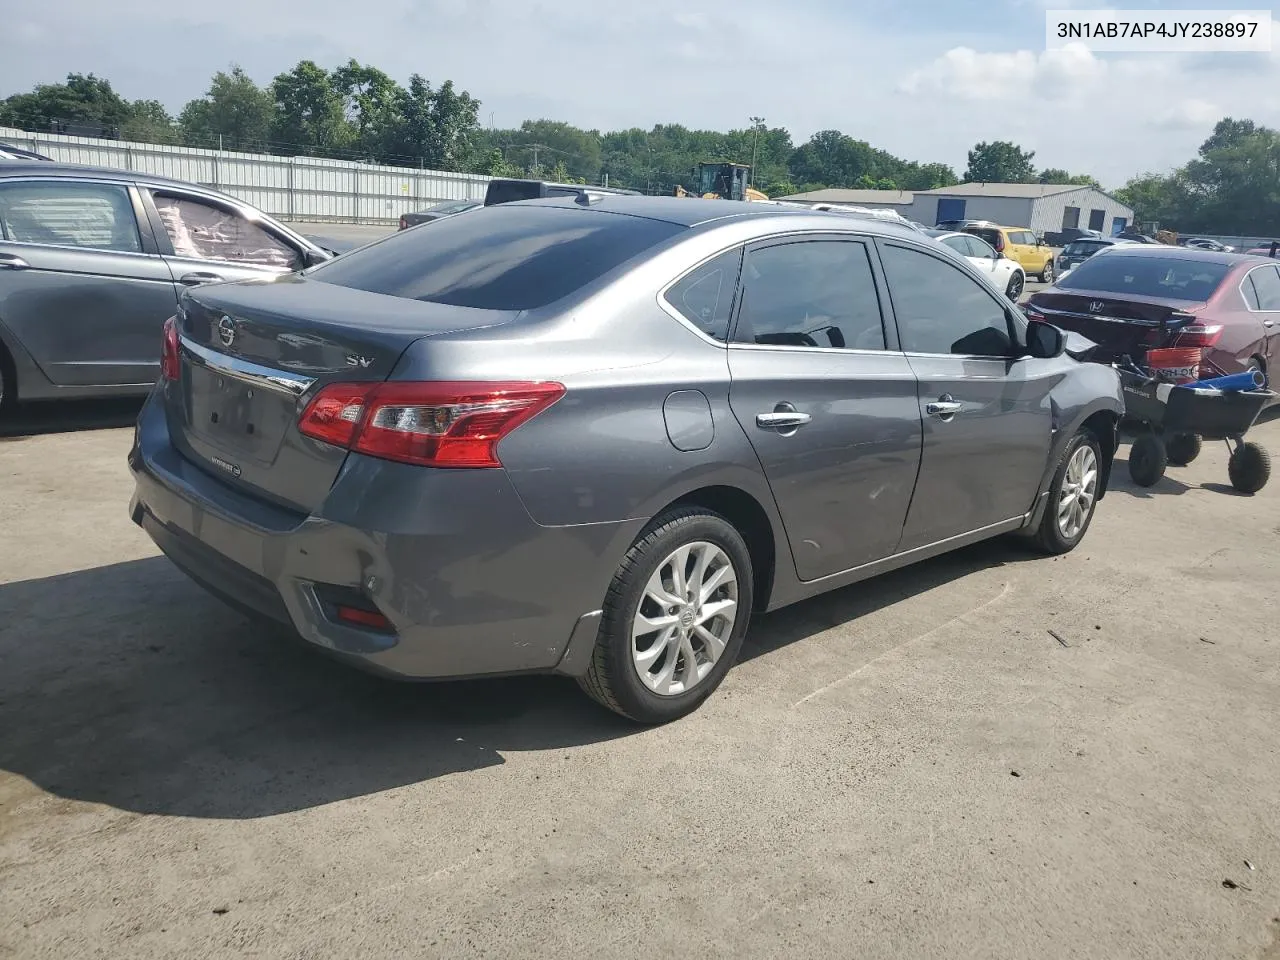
[{"x": 1095, "y": 306}]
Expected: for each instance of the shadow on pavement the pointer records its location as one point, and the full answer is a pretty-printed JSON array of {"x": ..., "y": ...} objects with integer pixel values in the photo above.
[
  {"x": 69, "y": 416},
  {"x": 127, "y": 685}
]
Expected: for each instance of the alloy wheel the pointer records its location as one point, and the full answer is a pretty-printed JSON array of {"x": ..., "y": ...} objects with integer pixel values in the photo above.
[
  {"x": 685, "y": 618},
  {"x": 1079, "y": 488}
]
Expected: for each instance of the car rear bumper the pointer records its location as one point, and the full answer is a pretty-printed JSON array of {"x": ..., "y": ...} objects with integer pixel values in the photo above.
[{"x": 470, "y": 584}]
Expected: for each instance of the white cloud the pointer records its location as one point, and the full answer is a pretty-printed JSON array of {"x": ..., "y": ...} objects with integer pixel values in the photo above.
[
  {"x": 965, "y": 73},
  {"x": 908, "y": 81},
  {"x": 1192, "y": 114}
]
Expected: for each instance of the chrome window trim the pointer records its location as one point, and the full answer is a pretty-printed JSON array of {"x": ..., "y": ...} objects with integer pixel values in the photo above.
[{"x": 269, "y": 378}]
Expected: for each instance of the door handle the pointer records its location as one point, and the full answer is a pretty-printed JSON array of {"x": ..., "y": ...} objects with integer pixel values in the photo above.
[
  {"x": 191, "y": 279},
  {"x": 9, "y": 262},
  {"x": 782, "y": 419},
  {"x": 944, "y": 408}
]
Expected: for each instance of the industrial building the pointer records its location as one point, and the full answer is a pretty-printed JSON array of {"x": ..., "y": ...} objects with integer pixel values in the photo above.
[
  {"x": 899, "y": 200},
  {"x": 1046, "y": 208}
]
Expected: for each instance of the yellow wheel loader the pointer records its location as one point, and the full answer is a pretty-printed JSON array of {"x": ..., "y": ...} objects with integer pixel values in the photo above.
[{"x": 727, "y": 181}]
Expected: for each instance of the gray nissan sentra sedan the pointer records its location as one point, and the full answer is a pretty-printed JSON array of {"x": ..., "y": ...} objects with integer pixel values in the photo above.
[{"x": 590, "y": 436}]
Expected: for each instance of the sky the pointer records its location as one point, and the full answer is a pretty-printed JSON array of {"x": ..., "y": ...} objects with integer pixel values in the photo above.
[{"x": 923, "y": 80}]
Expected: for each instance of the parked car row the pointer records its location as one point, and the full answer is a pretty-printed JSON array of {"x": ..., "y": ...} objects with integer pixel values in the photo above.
[
  {"x": 1119, "y": 297},
  {"x": 93, "y": 260},
  {"x": 1018, "y": 244},
  {"x": 1006, "y": 274}
]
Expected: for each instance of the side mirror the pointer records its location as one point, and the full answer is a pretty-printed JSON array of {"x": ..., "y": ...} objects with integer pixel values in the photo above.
[{"x": 1044, "y": 340}]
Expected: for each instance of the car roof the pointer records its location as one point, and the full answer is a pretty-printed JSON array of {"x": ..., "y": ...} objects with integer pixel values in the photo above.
[
  {"x": 1170, "y": 252},
  {"x": 45, "y": 168},
  {"x": 696, "y": 212}
]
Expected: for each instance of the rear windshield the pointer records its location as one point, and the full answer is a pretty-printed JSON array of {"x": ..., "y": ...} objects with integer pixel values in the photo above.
[
  {"x": 504, "y": 257},
  {"x": 986, "y": 233},
  {"x": 1167, "y": 277},
  {"x": 1078, "y": 248}
]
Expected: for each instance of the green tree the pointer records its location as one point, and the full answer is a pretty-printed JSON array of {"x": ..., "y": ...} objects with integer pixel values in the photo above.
[
  {"x": 149, "y": 122},
  {"x": 84, "y": 98},
  {"x": 1000, "y": 162},
  {"x": 438, "y": 127},
  {"x": 371, "y": 106},
  {"x": 309, "y": 113},
  {"x": 235, "y": 112},
  {"x": 1059, "y": 176}
]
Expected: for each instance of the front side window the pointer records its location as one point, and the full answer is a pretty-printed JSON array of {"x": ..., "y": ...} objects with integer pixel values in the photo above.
[
  {"x": 959, "y": 244},
  {"x": 813, "y": 293},
  {"x": 203, "y": 231},
  {"x": 943, "y": 310},
  {"x": 704, "y": 296},
  {"x": 95, "y": 216},
  {"x": 1266, "y": 285},
  {"x": 981, "y": 248}
]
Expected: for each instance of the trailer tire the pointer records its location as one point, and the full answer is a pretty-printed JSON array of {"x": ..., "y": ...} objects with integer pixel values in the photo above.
[
  {"x": 1249, "y": 468},
  {"x": 1148, "y": 459},
  {"x": 1183, "y": 448}
]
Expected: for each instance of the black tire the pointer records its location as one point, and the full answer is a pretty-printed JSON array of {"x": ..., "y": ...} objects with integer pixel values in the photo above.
[
  {"x": 1148, "y": 459},
  {"x": 1016, "y": 285},
  {"x": 1049, "y": 537},
  {"x": 1046, "y": 275},
  {"x": 612, "y": 678},
  {"x": 1183, "y": 448},
  {"x": 1249, "y": 468}
]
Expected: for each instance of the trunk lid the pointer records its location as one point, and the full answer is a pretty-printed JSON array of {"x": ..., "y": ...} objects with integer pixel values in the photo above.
[
  {"x": 1117, "y": 326},
  {"x": 254, "y": 353}
]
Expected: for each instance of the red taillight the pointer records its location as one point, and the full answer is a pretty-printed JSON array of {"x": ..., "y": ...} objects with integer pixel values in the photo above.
[
  {"x": 363, "y": 618},
  {"x": 335, "y": 413},
  {"x": 403, "y": 223},
  {"x": 1198, "y": 335},
  {"x": 170, "y": 369},
  {"x": 430, "y": 424}
]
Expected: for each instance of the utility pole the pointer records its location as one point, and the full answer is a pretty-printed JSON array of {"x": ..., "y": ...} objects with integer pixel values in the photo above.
[
  {"x": 535, "y": 159},
  {"x": 756, "y": 123}
]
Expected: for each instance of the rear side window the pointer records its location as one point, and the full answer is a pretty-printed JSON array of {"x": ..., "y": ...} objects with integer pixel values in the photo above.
[
  {"x": 96, "y": 216},
  {"x": 704, "y": 296},
  {"x": 814, "y": 293},
  {"x": 503, "y": 257},
  {"x": 1166, "y": 277}
]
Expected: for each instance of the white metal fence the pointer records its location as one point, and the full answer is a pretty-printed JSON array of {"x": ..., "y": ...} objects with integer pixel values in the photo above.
[{"x": 291, "y": 188}]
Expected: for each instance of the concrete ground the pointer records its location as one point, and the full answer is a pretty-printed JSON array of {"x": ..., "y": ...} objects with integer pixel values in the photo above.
[{"x": 986, "y": 756}]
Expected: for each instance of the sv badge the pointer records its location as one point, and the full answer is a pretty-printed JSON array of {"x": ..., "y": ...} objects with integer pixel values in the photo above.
[{"x": 355, "y": 360}]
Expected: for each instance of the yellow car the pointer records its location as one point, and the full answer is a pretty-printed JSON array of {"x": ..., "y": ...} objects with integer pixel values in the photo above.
[{"x": 1018, "y": 244}]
